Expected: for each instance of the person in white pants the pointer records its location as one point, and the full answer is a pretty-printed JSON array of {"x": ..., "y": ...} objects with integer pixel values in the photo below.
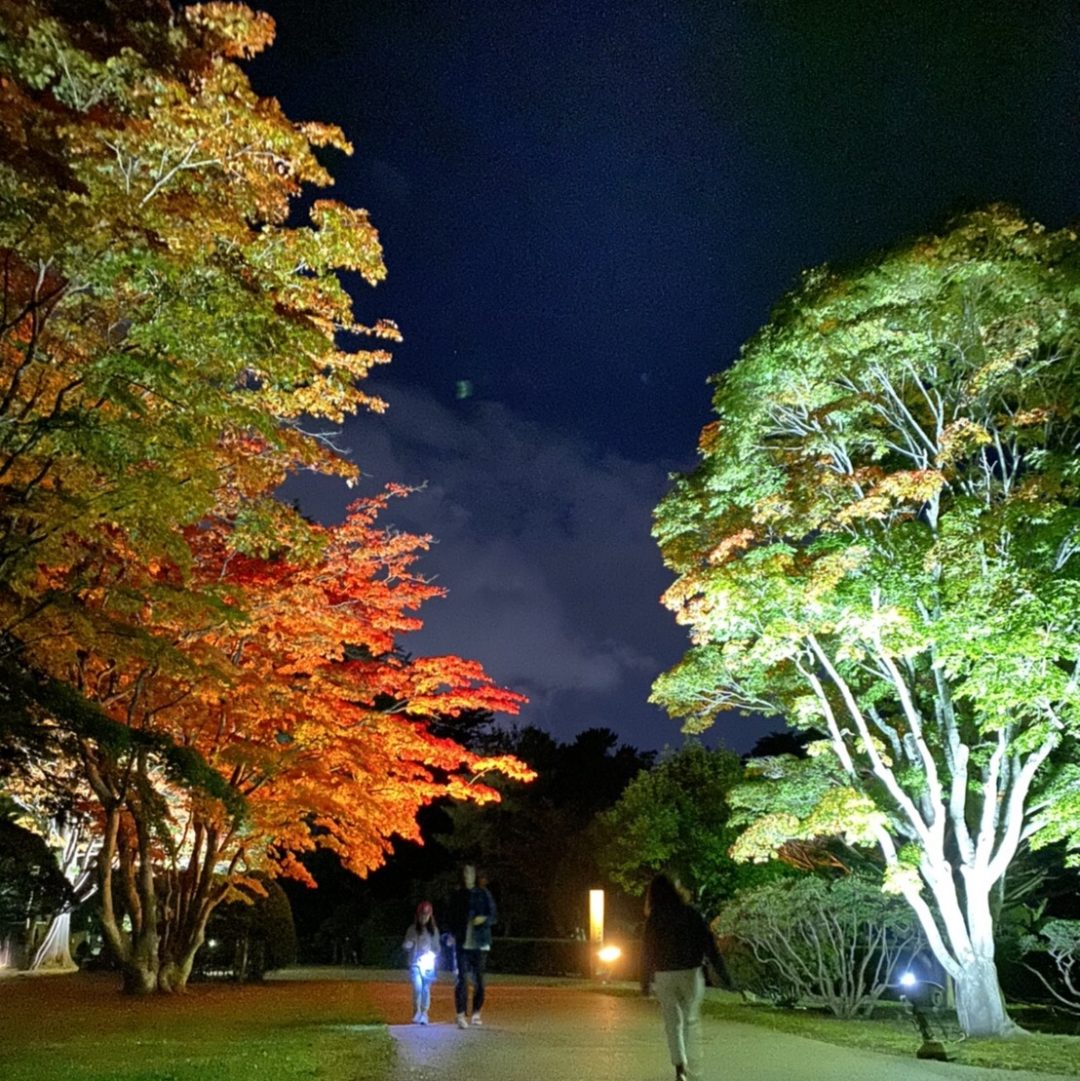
[{"x": 677, "y": 943}]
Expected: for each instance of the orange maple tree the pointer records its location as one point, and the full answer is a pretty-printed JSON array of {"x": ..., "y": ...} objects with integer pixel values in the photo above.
[
  {"x": 224, "y": 675},
  {"x": 286, "y": 680}
]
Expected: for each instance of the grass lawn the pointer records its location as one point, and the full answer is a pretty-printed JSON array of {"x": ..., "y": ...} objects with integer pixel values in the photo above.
[
  {"x": 896, "y": 1035},
  {"x": 81, "y": 1028}
]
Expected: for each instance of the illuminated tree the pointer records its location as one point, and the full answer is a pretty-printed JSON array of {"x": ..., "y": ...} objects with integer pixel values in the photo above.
[
  {"x": 41, "y": 779},
  {"x": 301, "y": 726},
  {"x": 224, "y": 674},
  {"x": 75, "y": 840},
  {"x": 165, "y": 332},
  {"x": 675, "y": 817},
  {"x": 32, "y": 887},
  {"x": 881, "y": 542}
]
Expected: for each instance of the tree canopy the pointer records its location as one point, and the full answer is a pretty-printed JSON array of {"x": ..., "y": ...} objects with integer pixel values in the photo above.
[
  {"x": 675, "y": 817},
  {"x": 222, "y": 678},
  {"x": 538, "y": 845},
  {"x": 881, "y": 543}
]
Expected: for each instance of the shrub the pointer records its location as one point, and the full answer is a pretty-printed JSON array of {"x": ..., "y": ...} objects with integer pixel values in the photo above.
[
  {"x": 840, "y": 940},
  {"x": 1060, "y": 941},
  {"x": 247, "y": 940}
]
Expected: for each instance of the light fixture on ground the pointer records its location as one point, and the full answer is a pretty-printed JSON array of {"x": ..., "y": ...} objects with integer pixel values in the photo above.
[
  {"x": 930, "y": 1048},
  {"x": 607, "y": 958},
  {"x": 596, "y": 916}
]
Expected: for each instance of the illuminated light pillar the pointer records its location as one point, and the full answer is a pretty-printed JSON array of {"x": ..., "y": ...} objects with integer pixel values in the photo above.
[{"x": 596, "y": 928}]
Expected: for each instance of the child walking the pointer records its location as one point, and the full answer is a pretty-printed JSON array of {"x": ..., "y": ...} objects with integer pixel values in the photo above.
[{"x": 422, "y": 947}]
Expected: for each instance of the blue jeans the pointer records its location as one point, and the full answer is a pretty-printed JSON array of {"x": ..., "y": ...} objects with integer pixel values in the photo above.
[
  {"x": 470, "y": 964},
  {"x": 421, "y": 988}
]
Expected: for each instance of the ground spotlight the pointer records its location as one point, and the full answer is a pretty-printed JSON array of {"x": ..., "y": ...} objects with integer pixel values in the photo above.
[
  {"x": 609, "y": 954},
  {"x": 930, "y": 1048}
]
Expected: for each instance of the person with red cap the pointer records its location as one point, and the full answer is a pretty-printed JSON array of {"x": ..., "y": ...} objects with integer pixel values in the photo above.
[{"x": 422, "y": 947}]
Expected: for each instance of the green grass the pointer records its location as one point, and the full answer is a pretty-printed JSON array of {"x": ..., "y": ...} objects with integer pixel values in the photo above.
[
  {"x": 895, "y": 1034},
  {"x": 80, "y": 1028}
]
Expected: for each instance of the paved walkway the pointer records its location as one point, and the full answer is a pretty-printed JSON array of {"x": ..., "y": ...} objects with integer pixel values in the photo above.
[{"x": 563, "y": 1032}]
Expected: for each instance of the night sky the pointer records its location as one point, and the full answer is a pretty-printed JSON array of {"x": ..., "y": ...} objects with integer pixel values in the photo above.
[{"x": 586, "y": 207}]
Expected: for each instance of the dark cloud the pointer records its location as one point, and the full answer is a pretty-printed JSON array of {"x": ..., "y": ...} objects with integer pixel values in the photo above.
[
  {"x": 543, "y": 545},
  {"x": 586, "y": 207}
]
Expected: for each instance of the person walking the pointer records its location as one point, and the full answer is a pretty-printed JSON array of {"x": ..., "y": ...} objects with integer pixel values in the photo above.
[
  {"x": 422, "y": 947},
  {"x": 472, "y": 914},
  {"x": 677, "y": 942}
]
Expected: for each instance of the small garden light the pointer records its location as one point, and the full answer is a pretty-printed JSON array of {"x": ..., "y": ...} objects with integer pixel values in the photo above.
[
  {"x": 605, "y": 960},
  {"x": 930, "y": 1048}
]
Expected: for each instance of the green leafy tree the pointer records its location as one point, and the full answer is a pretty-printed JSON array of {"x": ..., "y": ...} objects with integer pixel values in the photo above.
[
  {"x": 675, "y": 817},
  {"x": 167, "y": 332},
  {"x": 881, "y": 542}
]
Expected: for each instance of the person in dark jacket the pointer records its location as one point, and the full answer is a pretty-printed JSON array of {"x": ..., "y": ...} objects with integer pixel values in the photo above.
[
  {"x": 472, "y": 914},
  {"x": 677, "y": 942}
]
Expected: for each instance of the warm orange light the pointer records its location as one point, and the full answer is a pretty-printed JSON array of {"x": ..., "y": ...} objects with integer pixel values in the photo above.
[
  {"x": 596, "y": 916},
  {"x": 609, "y": 954}
]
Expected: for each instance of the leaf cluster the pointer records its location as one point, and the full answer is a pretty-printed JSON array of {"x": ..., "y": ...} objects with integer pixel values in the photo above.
[{"x": 882, "y": 538}]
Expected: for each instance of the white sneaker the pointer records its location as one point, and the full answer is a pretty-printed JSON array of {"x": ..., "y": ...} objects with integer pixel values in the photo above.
[
  {"x": 416, "y": 1018},
  {"x": 423, "y": 1018},
  {"x": 461, "y": 1022},
  {"x": 476, "y": 1019}
]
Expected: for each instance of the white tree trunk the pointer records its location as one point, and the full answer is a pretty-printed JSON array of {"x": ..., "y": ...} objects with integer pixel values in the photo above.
[
  {"x": 77, "y": 861},
  {"x": 960, "y": 932},
  {"x": 54, "y": 953},
  {"x": 980, "y": 1007},
  {"x": 966, "y": 823}
]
